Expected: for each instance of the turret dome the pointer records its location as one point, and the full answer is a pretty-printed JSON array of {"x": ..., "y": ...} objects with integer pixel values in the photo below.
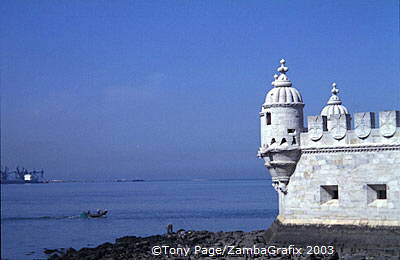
[
  {"x": 283, "y": 95},
  {"x": 283, "y": 92},
  {"x": 334, "y": 106}
]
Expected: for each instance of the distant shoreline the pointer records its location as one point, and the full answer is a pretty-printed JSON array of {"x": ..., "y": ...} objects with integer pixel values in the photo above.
[{"x": 132, "y": 180}]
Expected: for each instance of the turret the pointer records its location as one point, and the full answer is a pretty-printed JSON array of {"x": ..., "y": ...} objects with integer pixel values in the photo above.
[
  {"x": 334, "y": 105},
  {"x": 281, "y": 124}
]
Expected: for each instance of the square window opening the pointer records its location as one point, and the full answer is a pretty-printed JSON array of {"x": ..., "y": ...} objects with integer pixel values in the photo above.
[
  {"x": 329, "y": 193},
  {"x": 376, "y": 192}
]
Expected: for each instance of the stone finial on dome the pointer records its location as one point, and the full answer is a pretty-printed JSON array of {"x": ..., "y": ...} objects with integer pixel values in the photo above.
[
  {"x": 283, "y": 92},
  {"x": 334, "y": 106},
  {"x": 282, "y": 80},
  {"x": 282, "y": 68},
  {"x": 334, "y": 89},
  {"x": 335, "y": 99}
]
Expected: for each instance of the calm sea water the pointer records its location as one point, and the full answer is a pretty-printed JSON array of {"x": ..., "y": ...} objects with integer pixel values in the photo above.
[{"x": 38, "y": 216}]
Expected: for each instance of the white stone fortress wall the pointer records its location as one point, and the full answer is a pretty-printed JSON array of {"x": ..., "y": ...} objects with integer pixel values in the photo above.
[
  {"x": 329, "y": 173},
  {"x": 346, "y": 176}
]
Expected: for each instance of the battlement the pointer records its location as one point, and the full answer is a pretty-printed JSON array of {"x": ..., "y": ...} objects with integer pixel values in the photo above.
[
  {"x": 336, "y": 171},
  {"x": 336, "y": 131}
]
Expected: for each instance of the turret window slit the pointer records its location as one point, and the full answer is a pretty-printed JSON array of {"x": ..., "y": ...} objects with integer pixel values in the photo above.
[{"x": 268, "y": 118}]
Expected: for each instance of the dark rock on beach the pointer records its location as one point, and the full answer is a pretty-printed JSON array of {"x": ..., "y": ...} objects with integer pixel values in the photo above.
[
  {"x": 348, "y": 243},
  {"x": 131, "y": 247}
]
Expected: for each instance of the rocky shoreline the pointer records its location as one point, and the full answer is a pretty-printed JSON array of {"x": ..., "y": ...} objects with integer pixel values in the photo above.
[
  {"x": 131, "y": 247},
  {"x": 278, "y": 242}
]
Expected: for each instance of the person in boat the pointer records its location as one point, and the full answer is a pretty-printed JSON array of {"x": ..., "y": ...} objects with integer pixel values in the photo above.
[{"x": 95, "y": 214}]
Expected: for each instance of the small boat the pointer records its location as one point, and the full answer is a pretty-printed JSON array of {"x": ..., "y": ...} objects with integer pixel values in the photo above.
[{"x": 98, "y": 214}]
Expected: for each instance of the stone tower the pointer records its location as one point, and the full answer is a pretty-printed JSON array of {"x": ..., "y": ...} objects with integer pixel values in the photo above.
[
  {"x": 334, "y": 106},
  {"x": 281, "y": 124},
  {"x": 337, "y": 185}
]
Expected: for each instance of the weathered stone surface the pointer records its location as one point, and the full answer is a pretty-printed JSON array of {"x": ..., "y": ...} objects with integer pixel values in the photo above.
[
  {"x": 352, "y": 168},
  {"x": 364, "y": 122},
  {"x": 388, "y": 122},
  {"x": 338, "y": 125},
  {"x": 316, "y": 127}
]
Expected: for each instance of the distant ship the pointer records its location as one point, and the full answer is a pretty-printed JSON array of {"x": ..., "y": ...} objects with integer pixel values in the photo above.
[{"x": 21, "y": 176}]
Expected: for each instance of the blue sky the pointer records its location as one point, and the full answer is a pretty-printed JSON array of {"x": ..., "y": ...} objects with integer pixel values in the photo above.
[{"x": 172, "y": 89}]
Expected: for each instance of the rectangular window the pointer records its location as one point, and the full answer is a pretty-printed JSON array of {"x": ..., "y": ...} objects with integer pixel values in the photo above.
[
  {"x": 329, "y": 193},
  {"x": 291, "y": 131},
  {"x": 376, "y": 192},
  {"x": 268, "y": 118}
]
